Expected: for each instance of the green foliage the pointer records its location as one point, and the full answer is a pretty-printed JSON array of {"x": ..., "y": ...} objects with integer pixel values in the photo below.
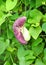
[
  {"x": 10, "y": 4},
  {"x": 39, "y": 62},
  {"x": 38, "y": 3},
  {"x": 37, "y": 41},
  {"x": 25, "y": 56},
  {"x": 2, "y": 5},
  {"x": 3, "y": 45},
  {"x": 2, "y": 17},
  {"x": 12, "y": 52},
  {"x": 34, "y": 32},
  {"x": 35, "y": 16},
  {"x": 44, "y": 18},
  {"x": 44, "y": 27},
  {"x": 44, "y": 58},
  {"x": 7, "y": 63},
  {"x": 26, "y": 2},
  {"x": 38, "y": 49},
  {"x": 14, "y": 64}
]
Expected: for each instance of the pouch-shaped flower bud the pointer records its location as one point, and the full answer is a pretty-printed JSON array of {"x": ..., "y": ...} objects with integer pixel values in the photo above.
[{"x": 18, "y": 30}]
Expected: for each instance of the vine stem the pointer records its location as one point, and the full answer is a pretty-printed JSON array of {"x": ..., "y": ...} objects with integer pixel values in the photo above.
[
  {"x": 42, "y": 35},
  {"x": 0, "y": 30},
  {"x": 11, "y": 58},
  {"x": 7, "y": 26},
  {"x": 25, "y": 5}
]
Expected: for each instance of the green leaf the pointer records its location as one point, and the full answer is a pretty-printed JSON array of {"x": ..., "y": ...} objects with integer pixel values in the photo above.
[
  {"x": 26, "y": 13},
  {"x": 3, "y": 45},
  {"x": 14, "y": 16},
  {"x": 44, "y": 58},
  {"x": 27, "y": 25},
  {"x": 39, "y": 62},
  {"x": 38, "y": 49},
  {"x": 22, "y": 61},
  {"x": 33, "y": 20},
  {"x": 2, "y": 6},
  {"x": 6, "y": 63},
  {"x": 45, "y": 51},
  {"x": 37, "y": 41},
  {"x": 35, "y": 25},
  {"x": 29, "y": 57},
  {"x": 14, "y": 63},
  {"x": 44, "y": 17},
  {"x": 44, "y": 2},
  {"x": 35, "y": 16},
  {"x": 1, "y": 14},
  {"x": 11, "y": 49},
  {"x": 29, "y": 54},
  {"x": 10, "y": 4},
  {"x": 21, "y": 55},
  {"x": 34, "y": 32},
  {"x": 38, "y": 3},
  {"x": 35, "y": 13},
  {"x": 10, "y": 34},
  {"x": 20, "y": 51},
  {"x": 44, "y": 27},
  {"x": 32, "y": 3},
  {"x": 29, "y": 62},
  {"x": 2, "y": 17},
  {"x": 26, "y": 2}
]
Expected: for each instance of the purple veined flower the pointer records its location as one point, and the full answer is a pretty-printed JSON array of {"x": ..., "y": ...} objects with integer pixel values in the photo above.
[{"x": 20, "y": 32}]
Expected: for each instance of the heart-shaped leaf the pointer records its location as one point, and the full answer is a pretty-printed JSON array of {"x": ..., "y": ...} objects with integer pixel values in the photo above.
[
  {"x": 34, "y": 32},
  {"x": 10, "y": 4}
]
